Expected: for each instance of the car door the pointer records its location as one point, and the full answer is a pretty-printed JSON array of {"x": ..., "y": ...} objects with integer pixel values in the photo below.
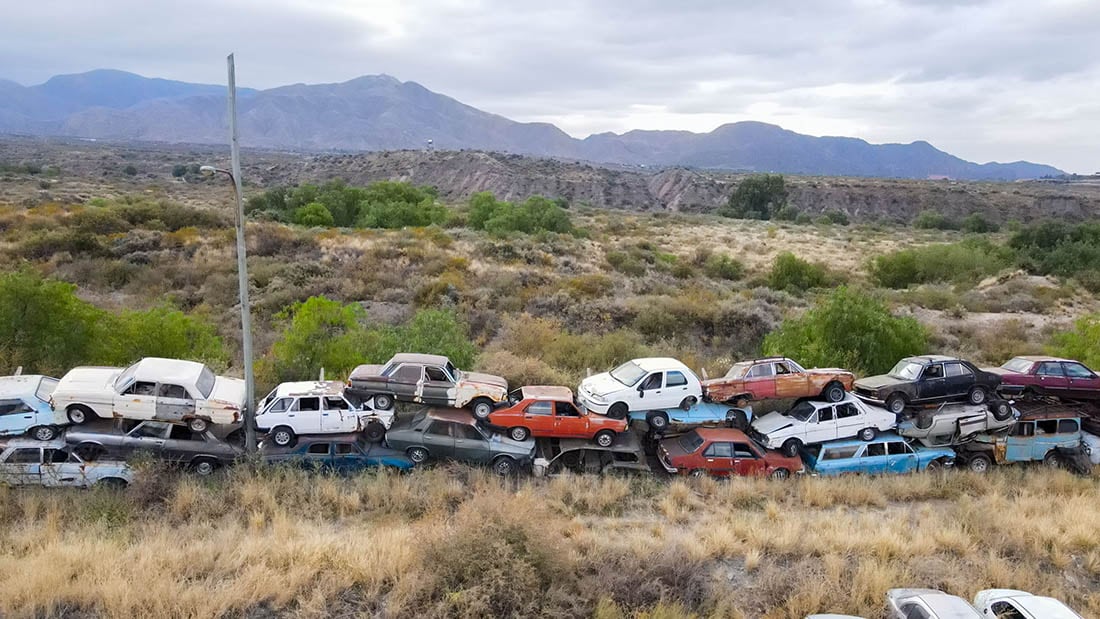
[
  {"x": 790, "y": 382},
  {"x": 760, "y": 381},
  {"x": 649, "y": 392},
  {"x": 958, "y": 379},
  {"x": 15, "y": 416},
  {"x": 438, "y": 439},
  {"x": 1052, "y": 378},
  {"x": 718, "y": 458},
  {"x": 304, "y": 416},
  {"x": 405, "y": 382},
  {"x": 173, "y": 402},
  {"x": 538, "y": 417},
  {"x": 346, "y": 457},
  {"x": 676, "y": 389},
  {"x": 746, "y": 461},
  {"x": 439, "y": 388},
  {"x": 137, "y": 401},
  {"x": 61, "y": 469},
  {"x": 1083, "y": 382},
  {"x": 147, "y": 437},
  {"x": 470, "y": 444},
  {"x": 336, "y": 415},
  {"x": 1018, "y": 443},
  {"x": 318, "y": 456},
  {"x": 568, "y": 421},
  {"x": 840, "y": 459},
  {"x": 932, "y": 383},
  {"x": 874, "y": 459},
  {"x": 850, "y": 419},
  {"x": 182, "y": 444},
  {"x": 902, "y": 457},
  {"x": 23, "y": 466},
  {"x": 821, "y": 426}
]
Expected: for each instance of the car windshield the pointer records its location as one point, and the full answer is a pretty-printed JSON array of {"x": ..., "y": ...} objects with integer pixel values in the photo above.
[
  {"x": 737, "y": 370},
  {"x": 690, "y": 442},
  {"x": 802, "y": 411},
  {"x": 628, "y": 373},
  {"x": 418, "y": 417},
  {"x": 206, "y": 382},
  {"x": 453, "y": 371},
  {"x": 125, "y": 378},
  {"x": 906, "y": 370},
  {"x": 1018, "y": 365},
  {"x": 45, "y": 388}
]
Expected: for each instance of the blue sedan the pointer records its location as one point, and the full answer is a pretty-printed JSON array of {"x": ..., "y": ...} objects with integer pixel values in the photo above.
[
  {"x": 339, "y": 453},
  {"x": 887, "y": 453},
  {"x": 700, "y": 413}
]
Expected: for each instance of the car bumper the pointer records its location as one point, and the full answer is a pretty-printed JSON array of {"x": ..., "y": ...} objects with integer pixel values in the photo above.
[
  {"x": 593, "y": 405},
  {"x": 1010, "y": 389},
  {"x": 870, "y": 399},
  {"x": 666, "y": 465}
]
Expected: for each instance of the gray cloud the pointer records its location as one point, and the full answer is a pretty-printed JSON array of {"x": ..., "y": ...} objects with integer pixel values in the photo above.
[{"x": 986, "y": 80}]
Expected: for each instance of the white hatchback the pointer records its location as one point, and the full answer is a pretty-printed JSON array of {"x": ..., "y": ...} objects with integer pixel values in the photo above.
[
  {"x": 654, "y": 383},
  {"x": 319, "y": 407},
  {"x": 810, "y": 422}
]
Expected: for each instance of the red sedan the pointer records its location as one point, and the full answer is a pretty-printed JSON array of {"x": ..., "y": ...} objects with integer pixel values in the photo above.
[
  {"x": 1036, "y": 375},
  {"x": 551, "y": 412},
  {"x": 722, "y": 452}
]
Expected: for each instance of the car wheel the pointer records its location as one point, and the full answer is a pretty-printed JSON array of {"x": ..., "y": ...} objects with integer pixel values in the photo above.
[
  {"x": 204, "y": 467},
  {"x": 741, "y": 401},
  {"x": 504, "y": 466},
  {"x": 699, "y": 473},
  {"x": 688, "y": 402},
  {"x": 868, "y": 434},
  {"x": 89, "y": 452},
  {"x": 791, "y": 447},
  {"x": 924, "y": 420},
  {"x": 113, "y": 483},
  {"x": 80, "y": 414},
  {"x": 198, "y": 425},
  {"x": 1001, "y": 410},
  {"x": 834, "y": 392},
  {"x": 896, "y": 403},
  {"x": 375, "y": 432},
  {"x": 617, "y": 410},
  {"x": 1052, "y": 460},
  {"x": 977, "y": 395},
  {"x": 419, "y": 455},
  {"x": 605, "y": 438},
  {"x": 519, "y": 434},
  {"x": 780, "y": 474},
  {"x": 933, "y": 466},
  {"x": 979, "y": 463},
  {"x": 383, "y": 401},
  {"x": 43, "y": 433},
  {"x": 481, "y": 408},
  {"x": 658, "y": 422},
  {"x": 282, "y": 436},
  {"x": 737, "y": 419}
]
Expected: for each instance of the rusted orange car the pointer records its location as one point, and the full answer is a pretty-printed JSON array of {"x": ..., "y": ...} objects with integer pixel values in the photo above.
[{"x": 778, "y": 378}]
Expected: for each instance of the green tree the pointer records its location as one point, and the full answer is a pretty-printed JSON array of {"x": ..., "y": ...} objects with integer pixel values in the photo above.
[
  {"x": 793, "y": 274},
  {"x": 313, "y": 214},
  {"x": 162, "y": 331},
  {"x": 757, "y": 197},
  {"x": 44, "y": 327},
  {"x": 848, "y": 329},
  {"x": 1082, "y": 343},
  {"x": 319, "y": 333},
  {"x": 440, "y": 332}
]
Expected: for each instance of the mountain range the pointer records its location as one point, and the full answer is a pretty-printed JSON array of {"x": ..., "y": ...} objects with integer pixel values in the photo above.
[{"x": 380, "y": 112}]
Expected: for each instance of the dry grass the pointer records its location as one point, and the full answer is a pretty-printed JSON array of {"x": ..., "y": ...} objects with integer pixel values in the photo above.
[{"x": 458, "y": 542}]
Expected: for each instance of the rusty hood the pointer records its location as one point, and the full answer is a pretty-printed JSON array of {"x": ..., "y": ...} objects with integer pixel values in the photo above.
[{"x": 484, "y": 380}]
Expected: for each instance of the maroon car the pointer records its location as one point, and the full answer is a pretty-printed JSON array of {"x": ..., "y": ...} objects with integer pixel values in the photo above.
[
  {"x": 722, "y": 452},
  {"x": 1036, "y": 375}
]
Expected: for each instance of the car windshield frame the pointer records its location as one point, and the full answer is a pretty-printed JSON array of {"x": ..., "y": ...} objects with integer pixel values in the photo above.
[
  {"x": 906, "y": 370},
  {"x": 628, "y": 366},
  {"x": 125, "y": 378},
  {"x": 690, "y": 442},
  {"x": 802, "y": 411},
  {"x": 738, "y": 370},
  {"x": 455, "y": 373},
  {"x": 206, "y": 375},
  {"x": 47, "y": 383},
  {"x": 1018, "y": 365}
]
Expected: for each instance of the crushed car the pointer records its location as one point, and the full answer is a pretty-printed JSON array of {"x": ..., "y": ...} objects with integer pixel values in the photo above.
[
  {"x": 639, "y": 385},
  {"x": 25, "y": 462},
  {"x": 550, "y": 412},
  {"x": 336, "y": 453},
  {"x": 435, "y": 434},
  {"x": 952, "y": 424},
  {"x": 1014, "y": 604},
  {"x": 153, "y": 388},
  {"x": 777, "y": 378},
  {"x": 928, "y": 379},
  {"x": 722, "y": 452},
  {"x": 625, "y": 454},
  {"x": 201, "y": 452},
  {"x": 888, "y": 453},
  {"x": 25, "y": 407},
  {"x": 810, "y": 422},
  {"x": 698, "y": 414},
  {"x": 1066, "y": 379},
  {"x": 427, "y": 379},
  {"x": 318, "y": 407},
  {"x": 1052, "y": 437}
]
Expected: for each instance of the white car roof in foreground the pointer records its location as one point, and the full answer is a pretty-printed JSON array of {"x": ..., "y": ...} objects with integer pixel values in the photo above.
[
  {"x": 309, "y": 387},
  {"x": 19, "y": 386},
  {"x": 657, "y": 364},
  {"x": 945, "y": 605},
  {"x": 176, "y": 371},
  {"x": 1037, "y": 606}
]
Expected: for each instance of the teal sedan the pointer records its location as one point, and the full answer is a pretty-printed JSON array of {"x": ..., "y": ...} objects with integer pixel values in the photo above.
[{"x": 886, "y": 453}]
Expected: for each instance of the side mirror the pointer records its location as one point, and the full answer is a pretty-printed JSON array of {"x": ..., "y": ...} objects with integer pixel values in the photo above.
[{"x": 641, "y": 392}]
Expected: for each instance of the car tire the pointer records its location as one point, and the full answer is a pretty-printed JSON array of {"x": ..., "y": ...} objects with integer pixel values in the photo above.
[
  {"x": 658, "y": 422},
  {"x": 43, "y": 433},
  {"x": 112, "y": 483},
  {"x": 741, "y": 401},
  {"x": 688, "y": 402},
  {"x": 204, "y": 467},
  {"x": 504, "y": 466},
  {"x": 604, "y": 438},
  {"x": 80, "y": 414},
  {"x": 979, "y": 463},
  {"x": 1001, "y": 410},
  {"x": 374, "y": 432},
  {"x": 896, "y": 403},
  {"x": 89, "y": 452},
  {"x": 519, "y": 433},
  {"x": 977, "y": 395},
  {"x": 618, "y": 410},
  {"x": 418, "y": 455},
  {"x": 923, "y": 419},
  {"x": 833, "y": 392},
  {"x": 198, "y": 425},
  {"x": 935, "y": 465},
  {"x": 868, "y": 434},
  {"x": 791, "y": 447},
  {"x": 780, "y": 474},
  {"x": 481, "y": 408},
  {"x": 1052, "y": 460},
  {"x": 737, "y": 419},
  {"x": 383, "y": 401},
  {"x": 283, "y": 436},
  {"x": 699, "y": 473}
]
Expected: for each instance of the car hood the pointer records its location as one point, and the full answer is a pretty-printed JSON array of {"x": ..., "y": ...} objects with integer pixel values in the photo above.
[
  {"x": 85, "y": 378},
  {"x": 229, "y": 391},
  {"x": 829, "y": 371},
  {"x": 1000, "y": 372},
  {"x": 877, "y": 382},
  {"x": 484, "y": 379},
  {"x": 601, "y": 384},
  {"x": 772, "y": 422}
]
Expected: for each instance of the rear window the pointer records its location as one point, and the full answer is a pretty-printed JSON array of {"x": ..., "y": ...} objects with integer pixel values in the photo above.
[
  {"x": 205, "y": 383},
  {"x": 1018, "y": 365},
  {"x": 45, "y": 388},
  {"x": 840, "y": 453},
  {"x": 690, "y": 442}
]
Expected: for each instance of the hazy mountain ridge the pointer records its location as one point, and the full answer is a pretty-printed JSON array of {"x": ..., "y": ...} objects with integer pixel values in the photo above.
[{"x": 380, "y": 112}]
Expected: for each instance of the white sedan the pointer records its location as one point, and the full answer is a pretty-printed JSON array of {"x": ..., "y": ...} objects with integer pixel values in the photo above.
[
  {"x": 1012, "y": 604},
  {"x": 655, "y": 383},
  {"x": 318, "y": 407},
  {"x": 153, "y": 388},
  {"x": 25, "y": 462},
  {"x": 810, "y": 422}
]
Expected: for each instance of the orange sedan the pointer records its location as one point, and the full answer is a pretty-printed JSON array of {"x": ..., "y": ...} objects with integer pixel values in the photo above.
[
  {"x": 778, "y": 378},
  {"x": 551, "y": 412}
]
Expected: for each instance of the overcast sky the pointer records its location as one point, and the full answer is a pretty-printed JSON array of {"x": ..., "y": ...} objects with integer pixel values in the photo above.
[{"x": 985, "y": 80}]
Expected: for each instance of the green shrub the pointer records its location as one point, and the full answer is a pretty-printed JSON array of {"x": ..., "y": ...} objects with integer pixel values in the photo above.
[
  {"x": 179, "y": 170},
  {"x": 756, "y": 197},
  {"x": 931, "y": 220},
  {"x": 536, "y": 214},
  {"x": 848, "y": 329},
  {"x": 162, "y": 331},
  {"x": 1082, "y": 342},
  {"x": 313, "y": 214},
  {"x": 626, "y": 263},
  {"x": 786, "y": 213},
  {"x": 384, "y": 204},
  {"x": 723, "y": 266},
  {"x": 130, "y": 170},
  {"x": 793, "y": 274},
  {"x": 976, "y": 223},
  {"x": 964, "y": 262},
  {"x": 838, "y": 218},
  {"x": 44, "y": 327},
  {"x": 1057, "y": 248}
]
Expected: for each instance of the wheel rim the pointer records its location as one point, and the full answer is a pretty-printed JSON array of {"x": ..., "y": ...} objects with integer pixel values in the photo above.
[
  {"x": 282, "y": 438},
  {"x": 418, "y": 455},
  {"x": 791, "y": 449},
  {"x": 503, "y": 466},
  {"x": 977, "y": 396},
  {"x": 482, "y": 410},
  {"x": 204, "y": 468},
  {"x": 43, "y": 434},
  {"x": 779, "y": 474},
  {"x": 198, "y": 425},
  {"x": 604, "y": 440},
  {"x": 698, "y": 473},
  {"x": 836, "y": 394},
  {"x": 76, "y": 416},
  {"x": 979, "y": 465},
  {"x": 897, "y": 405},
  {"x": 383, "y": 401},
  {"x": 867, "y": 435},
  {"x": 658, "y": 421},
  {"x": 519, "y": 434}
]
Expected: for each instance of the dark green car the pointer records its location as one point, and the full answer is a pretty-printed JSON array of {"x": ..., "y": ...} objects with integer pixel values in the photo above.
[{"x": 434, "y": 434}]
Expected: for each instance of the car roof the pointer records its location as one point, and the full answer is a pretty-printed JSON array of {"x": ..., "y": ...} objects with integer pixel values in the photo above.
[
  {"x": 412, "y": 357},
  {"x": 23, "y": 384},
  {"x": 946, "y": 606},
  {"x": 722, "y": 434},
  {"x": 158, "y": 370},
  {"x": 654, "y": 364},
  {"x": 931, "y": 358},
  {"x": 1055, "y": 414},
  {"x": 57, "y": 443},
  {"x": 545, "y": 392},
  {"x": 323, "y": 438},
  {"x": 819, "y": 404},
  {"x": 314, "y": 387},
  {"x": 881, "y": 437},
  {"x": 450, "y": 414},
  {"x": 1035, "y": 605},
  {"x": 1038, "y": 358}
]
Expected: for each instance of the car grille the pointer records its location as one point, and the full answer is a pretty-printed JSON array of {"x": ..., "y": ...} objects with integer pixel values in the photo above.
[{"x": 863, "y": 391}]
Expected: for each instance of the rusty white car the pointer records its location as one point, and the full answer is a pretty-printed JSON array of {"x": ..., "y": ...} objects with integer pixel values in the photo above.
[
  {"x": 25, "y": 462},
  {"x": 318, "y": 407},
  {"x": 1013, "y": 604},
  {"x": 153, "y": 388},
  {"x": 427, "y": 379}
]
